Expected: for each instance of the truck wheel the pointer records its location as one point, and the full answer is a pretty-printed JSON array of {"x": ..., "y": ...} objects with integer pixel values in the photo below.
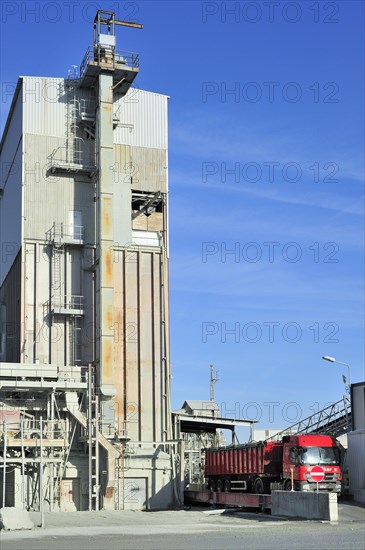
[
  {"x": 258, "y": 486},
  {"x": 287, "y": 485},
  {"x": 227, "y": 486},
  {"x": 211, "y": 485},
  {"x": 219, "y": 486}
]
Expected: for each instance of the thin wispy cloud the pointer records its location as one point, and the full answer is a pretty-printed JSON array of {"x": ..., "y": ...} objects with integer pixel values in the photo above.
[
  {"x": 326, "y": 201},
  {"x": 260, "y": 142}
]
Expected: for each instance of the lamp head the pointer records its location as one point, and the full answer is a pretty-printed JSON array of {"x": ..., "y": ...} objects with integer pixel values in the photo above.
[{"x": 328, "y": 358}]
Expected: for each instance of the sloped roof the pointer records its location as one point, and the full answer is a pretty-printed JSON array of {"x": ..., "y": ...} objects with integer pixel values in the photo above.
[{"x": 200, "y": 405}]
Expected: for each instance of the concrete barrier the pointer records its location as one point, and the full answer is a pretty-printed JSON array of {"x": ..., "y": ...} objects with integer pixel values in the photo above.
[
  {"x": 300, "y": 504},
  {"x": 15, "y": 518}
]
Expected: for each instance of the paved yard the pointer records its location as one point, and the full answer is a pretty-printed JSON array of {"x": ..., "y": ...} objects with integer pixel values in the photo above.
[{"x": 188, "y": 530}]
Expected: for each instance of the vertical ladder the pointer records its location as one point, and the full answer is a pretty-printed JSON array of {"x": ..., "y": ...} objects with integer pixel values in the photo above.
[
  {"x": 73, "y": 151},
  {"x": 57, "y": 254},
  {"x": 76, "y": 339},
  {"x": 93, "y": 424}
]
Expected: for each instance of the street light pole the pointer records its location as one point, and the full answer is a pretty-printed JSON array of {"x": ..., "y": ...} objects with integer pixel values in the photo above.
[{"x": 333, "y": 360}]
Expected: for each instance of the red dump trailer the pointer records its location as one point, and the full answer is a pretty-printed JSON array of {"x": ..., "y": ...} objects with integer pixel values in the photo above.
[{"x": 261, "y": 467}]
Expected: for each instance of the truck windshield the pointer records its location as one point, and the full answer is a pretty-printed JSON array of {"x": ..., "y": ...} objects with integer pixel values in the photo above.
[{"x": 319, "y": 455}]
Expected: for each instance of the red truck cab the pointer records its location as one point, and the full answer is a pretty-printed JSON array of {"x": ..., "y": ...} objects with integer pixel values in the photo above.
[{"x": 301, "y": 453}]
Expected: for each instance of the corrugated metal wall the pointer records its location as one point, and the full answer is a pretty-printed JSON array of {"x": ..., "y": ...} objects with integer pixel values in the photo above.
[
  {"x": 47, "y": 339},
  {"x": 143, "y": 119},
  {"x": 142, "y": 115},
  {"x": 44, "y": 106}
]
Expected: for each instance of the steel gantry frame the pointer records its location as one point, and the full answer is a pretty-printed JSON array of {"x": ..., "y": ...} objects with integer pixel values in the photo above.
[{"x": 335, "y": 420}]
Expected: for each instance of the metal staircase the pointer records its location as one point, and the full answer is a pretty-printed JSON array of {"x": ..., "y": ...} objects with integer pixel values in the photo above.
[
  {"x": 60, "y": 238},
  {"x": 77, "y": 156},
  {"x": 87, "y": 117},
  {"x": 333, "y": 420}
]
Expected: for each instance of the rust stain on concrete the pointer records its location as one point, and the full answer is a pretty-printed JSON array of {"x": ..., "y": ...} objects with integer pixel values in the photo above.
[
  {"x": 107, "y": 362},
  {"x": 108, "y": 268}
]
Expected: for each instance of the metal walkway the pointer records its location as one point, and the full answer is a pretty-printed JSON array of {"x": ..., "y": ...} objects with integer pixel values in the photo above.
[{"x": 333, "y": 420}]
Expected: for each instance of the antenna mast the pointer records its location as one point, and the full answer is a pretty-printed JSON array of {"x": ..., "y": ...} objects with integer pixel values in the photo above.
[{"x": 213, "y": 379}]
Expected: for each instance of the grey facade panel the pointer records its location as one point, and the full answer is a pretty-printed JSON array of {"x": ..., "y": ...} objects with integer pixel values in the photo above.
[
  {"x": 143, "y": 168},
  {"x": 150, "y": 166},
  {"x": 45, "y": 107},
  {"x": 11, "y": 215},
  {"x": 358, "y": 405},
  {"x": 10, "y": 319},
  {"x": 50, "y": 198},
  {"x": 356, "y": 459},
  {"x": 13, "y": 130},
  {"x": 11, "y": 190}
]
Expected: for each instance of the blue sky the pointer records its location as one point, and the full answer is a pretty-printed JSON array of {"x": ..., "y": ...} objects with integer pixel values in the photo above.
[{"x": 277, "y": 161}]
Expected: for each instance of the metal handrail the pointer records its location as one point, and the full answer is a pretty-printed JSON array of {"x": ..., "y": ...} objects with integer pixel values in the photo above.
[
  {"x": 117, "y": 58},
  {"x": 86, "y": 106},
  {"x": 61, "y": 231},
  {"x": 52, "y": 429},
  {"x": 69, "y": 301},
  {"x": 71, "y": 157}
]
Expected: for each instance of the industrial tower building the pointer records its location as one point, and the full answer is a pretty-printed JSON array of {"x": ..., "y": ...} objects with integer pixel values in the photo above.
[{"x": 85, "y": 419}]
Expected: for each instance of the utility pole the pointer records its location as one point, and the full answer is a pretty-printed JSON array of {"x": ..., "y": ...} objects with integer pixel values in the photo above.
[
  {"x": 213, "y": 379},
  {"x": 41, "y": 496}
]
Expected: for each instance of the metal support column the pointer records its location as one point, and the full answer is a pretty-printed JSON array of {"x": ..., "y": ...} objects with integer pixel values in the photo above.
[
  {"x": 41, "y": 494},
  {"x": 105, "y": 266},
  {"x": 51, "y": 465},
  {"x": 105, "y": 234},
  {"x": 23, "y": 495},
  {"x": 4, "y": 463},
  {"x": 92, "y": 418}
]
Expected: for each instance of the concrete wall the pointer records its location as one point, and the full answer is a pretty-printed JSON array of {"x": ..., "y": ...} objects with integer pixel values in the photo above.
[
  {"x": 300, "y": 504},
  {"x": 138, "y": 346},
  {"x": 74, "y": 493},
  {"x": 147, "y": 475}
]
